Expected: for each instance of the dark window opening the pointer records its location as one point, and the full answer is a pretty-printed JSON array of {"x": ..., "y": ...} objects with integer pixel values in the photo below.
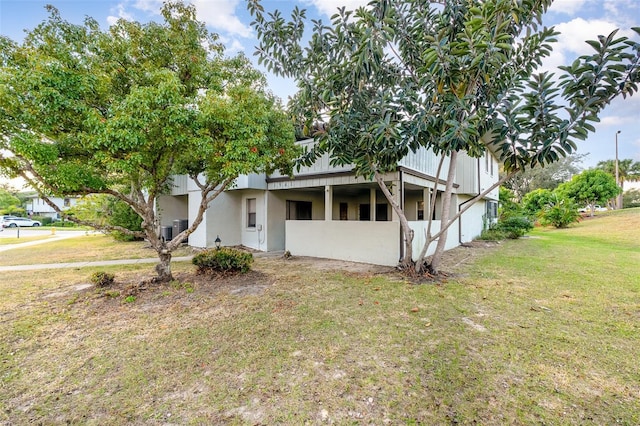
[
  {"x": 365, "y": 212},
  {"x": 298, "y": 210},
  {"x": 381, "y": 213},
  {"x": 491, "y": 210},
  {"x": 420, "y": 210},
  {"x": 344, "y": 211}
]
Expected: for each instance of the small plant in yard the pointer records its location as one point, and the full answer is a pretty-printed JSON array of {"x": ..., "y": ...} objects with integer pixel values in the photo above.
[
  {"x": 515, "y": 227},
  {"x": 560, "y": 212},
  {"x": 510, "y": 228},
  {"x": 223, "y": 260},
  {"x": 112, "y": 294},
  {"x": 129, "y": 299},
  {"x": 102, "y": 279},
  {"x": 188, "y": 287}
]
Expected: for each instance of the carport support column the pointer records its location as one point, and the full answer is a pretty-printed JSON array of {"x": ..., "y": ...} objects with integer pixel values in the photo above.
[
  {"x": 372, "y": 204},
  {"x": 426, "y": 203},
  {"x": 328, "y": 202},
  {"x": 396, "y": 190}
]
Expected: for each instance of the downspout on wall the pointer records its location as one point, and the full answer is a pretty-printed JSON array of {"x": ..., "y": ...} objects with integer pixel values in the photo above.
[{"x": 402, "y": 242}]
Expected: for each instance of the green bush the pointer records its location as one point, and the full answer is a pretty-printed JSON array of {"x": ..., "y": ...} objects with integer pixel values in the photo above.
[
  {"x": 535, "y": 201},
  {"x": 123, "y": 215},
  {"x": 102, "y": 279},
  {"x": 492, "y": 234},
  {"x": 509, "y": 228},
  {"x": 560, "y": 212},
  {"x": 44, "y": 220},
  {"x": 224, "y": 259},
  {"x": 631, "y": 198},
  {"x": 515, "y": 227}
]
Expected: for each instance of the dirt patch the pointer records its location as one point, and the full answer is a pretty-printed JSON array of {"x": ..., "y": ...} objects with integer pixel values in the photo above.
[{"x": 138, "y": 288}]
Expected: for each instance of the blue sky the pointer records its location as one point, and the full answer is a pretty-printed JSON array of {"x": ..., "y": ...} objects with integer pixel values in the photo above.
[{"x": 577, "y": 20}]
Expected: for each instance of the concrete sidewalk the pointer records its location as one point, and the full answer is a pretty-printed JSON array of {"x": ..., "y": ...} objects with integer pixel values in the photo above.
[
  {"x": 45, "y": 240},
  {"x": 78, "y": 265}
]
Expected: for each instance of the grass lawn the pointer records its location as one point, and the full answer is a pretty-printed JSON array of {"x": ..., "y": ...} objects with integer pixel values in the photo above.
[
  {"x": 13, "y": 240},
  {"x": 543, "y": 330}
]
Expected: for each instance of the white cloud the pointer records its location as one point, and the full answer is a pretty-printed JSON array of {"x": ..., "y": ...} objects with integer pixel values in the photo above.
[
  {"x": 615, "y": 120},
  {"x": 121, "y": 13},
  {"x": 152, "y": 6},
  {"x": 569, "y": 7},
  {"x": 221, "y": 16},
  {"x": 572, "y": 40},
  {"x": 330, "y": 7}
]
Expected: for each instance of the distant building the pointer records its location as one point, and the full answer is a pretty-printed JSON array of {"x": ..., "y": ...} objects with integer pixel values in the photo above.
[{"x": 36, "y": 206}]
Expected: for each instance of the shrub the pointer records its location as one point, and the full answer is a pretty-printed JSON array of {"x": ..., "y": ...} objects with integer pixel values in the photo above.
[
  {"x": 224, "y": 259},
  {"x": 560, "y": 212},
  {"x": 535, "y": 201},
  {"x": 45, "y": 220},
  {"x": 515, "y": 227},
  {"x": 631, "y": 198},
  {"x": 123, "y": 215},
  {"x": 492, "y": 234},
  {"x": 510, "y": 228},
  {"x": 102, "y": 279}
]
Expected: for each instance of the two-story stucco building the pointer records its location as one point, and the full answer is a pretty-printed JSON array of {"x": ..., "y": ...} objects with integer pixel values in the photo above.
[{"x": 325, "y": 211}]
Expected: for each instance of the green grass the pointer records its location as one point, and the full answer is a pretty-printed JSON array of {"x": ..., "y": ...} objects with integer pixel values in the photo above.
[
  {"x": 543, "y": 330},
  {"x": 13, "y": 240}
]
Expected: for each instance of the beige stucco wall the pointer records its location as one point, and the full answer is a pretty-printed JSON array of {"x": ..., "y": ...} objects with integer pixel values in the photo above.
[
  {"x": 369, "y": 242},
  {"x": 276, "y": 211},
  {"x": 171, "y": 208},
  {"x": 471, "y": 220},
  {"x": 253, "y": 237},
  {"x": 221, "y": 218},
  {"x": 419, "y": 238}
]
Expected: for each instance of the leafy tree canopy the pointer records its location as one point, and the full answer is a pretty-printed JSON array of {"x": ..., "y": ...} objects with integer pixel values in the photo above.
[
  {"x": 590, "y": 187},
  {"x": 396, "y": 76},
  {"x": 547, "y": 177},
  {"x": 119, "y": 112},
  {"x": 9, "y": 203}
]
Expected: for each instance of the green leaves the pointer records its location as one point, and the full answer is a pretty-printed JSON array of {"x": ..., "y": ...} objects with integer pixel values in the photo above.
[
  {"x": 449, "y": 75},
  {"x": 590, "y": 187},
  {"x": 120, "y": 112}
]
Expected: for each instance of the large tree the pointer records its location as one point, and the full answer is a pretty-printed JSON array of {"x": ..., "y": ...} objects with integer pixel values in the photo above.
[
  {"x": 591, "y": 187},
  {"x": 9, "y": 203},
  {"x": 547, "y": 177},
  {"x": 398, "y": 75},
  {"x": 119, "y": 112}
]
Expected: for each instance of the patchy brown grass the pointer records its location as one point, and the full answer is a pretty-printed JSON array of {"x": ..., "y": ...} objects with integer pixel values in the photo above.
[{"x": 522, "y": 332}]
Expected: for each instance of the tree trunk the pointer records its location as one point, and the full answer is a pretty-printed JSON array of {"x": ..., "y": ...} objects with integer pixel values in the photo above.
[
  {"x": 163, "y": 268},
  {"x": 436, "y": 259},
  {"x": 406, "y": 260}
]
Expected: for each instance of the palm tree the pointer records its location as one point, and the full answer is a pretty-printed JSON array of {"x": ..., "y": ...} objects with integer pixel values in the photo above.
[{"x": 628, "y": 171}]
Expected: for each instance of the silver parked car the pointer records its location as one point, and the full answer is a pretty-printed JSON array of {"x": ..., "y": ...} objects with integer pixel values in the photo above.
[{"x": 13, "y": 222}]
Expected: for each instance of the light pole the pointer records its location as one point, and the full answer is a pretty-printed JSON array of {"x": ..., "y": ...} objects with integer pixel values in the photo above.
[{"x": 617, "y": 178}]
